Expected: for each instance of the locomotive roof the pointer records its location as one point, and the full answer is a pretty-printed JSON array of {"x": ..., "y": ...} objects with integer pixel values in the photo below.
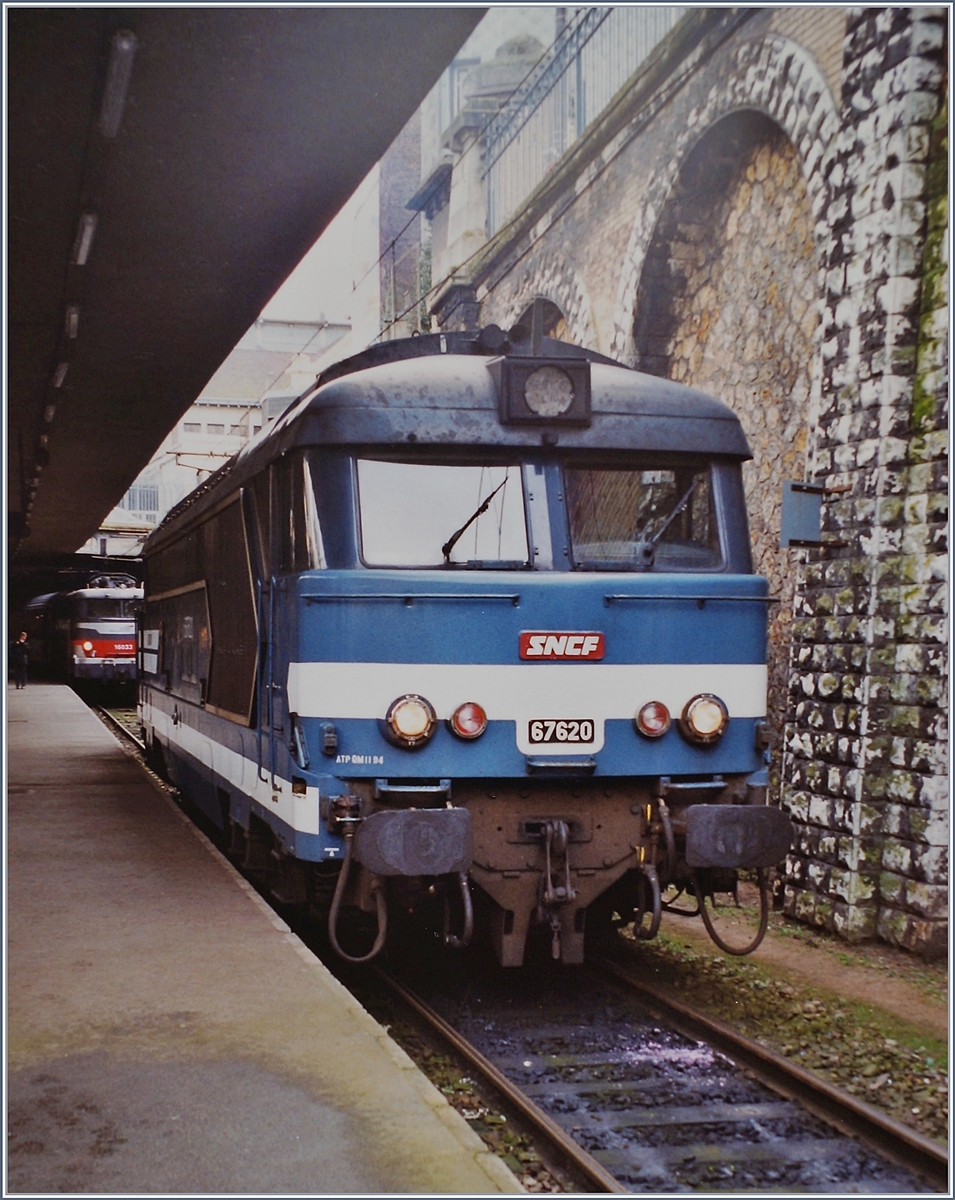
[
  {"x": 438, "y": 390},
  {"x": 111, "y": 593},
  {"x": 40, "y": 601},
  {"x": 107, "y": 593}
]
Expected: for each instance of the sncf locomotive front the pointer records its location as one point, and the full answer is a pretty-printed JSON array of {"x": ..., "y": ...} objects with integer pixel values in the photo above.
[{"x": 475, "y": 625}]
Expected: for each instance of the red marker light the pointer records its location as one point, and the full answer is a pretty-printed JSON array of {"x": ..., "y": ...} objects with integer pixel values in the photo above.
[
  {"x": 468, "y": 720},
  {"x": 653, "y": 720}
]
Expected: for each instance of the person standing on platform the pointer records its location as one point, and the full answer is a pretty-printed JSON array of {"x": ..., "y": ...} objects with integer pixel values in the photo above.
[{"x": 20, "y": 659}]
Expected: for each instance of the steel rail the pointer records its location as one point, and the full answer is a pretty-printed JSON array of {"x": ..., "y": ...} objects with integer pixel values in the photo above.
[
  {"x": 119, "y": 727},
  {"x": 573, "y": 1152},
  {"x": 851, "y": 1116}
]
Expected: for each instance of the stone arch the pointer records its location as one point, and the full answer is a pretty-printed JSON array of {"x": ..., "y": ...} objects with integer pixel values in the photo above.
[
  {"x": 773, "y": 89},
  {"x": 554, "y": 323},
  {"x": 561, "y": 288},
  {"x": 729, "y": 302},
  {"x": 776, "y": 77}
]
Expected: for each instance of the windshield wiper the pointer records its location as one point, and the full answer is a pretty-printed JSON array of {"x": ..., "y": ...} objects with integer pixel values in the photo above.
[
  {"x": 667, "y": 523},
  {"x": 479, "y": 511}
]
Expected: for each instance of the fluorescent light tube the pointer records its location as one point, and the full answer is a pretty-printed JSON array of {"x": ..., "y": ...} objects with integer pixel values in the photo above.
[
  {"x": 84, "y": 239},
  {"x": 121, "y": 55}
]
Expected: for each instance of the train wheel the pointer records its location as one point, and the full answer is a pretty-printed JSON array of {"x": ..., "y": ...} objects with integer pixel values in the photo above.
[
  {"x": 235, "y": 841},
  {"x": 603, "y": 919},
  {"x": 322, "y": 878},
  {"x": 735, "y": 920},
  {"x": 290, "y": 884}
]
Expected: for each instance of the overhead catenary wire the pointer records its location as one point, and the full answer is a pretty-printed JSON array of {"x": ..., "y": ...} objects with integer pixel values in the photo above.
[{"x": 258, "y": 403}]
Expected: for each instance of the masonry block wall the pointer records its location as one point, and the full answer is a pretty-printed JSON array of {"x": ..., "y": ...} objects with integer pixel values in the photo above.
[
  {"x": 764, "y": 216},
  {"x": 865, "y": 768}
]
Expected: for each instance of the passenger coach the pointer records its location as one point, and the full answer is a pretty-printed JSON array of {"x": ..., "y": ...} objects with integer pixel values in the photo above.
[{"x": 473, "y": 628}]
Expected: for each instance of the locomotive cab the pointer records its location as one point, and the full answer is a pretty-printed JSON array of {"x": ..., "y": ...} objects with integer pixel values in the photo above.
[{"x": 475, "y": 614}]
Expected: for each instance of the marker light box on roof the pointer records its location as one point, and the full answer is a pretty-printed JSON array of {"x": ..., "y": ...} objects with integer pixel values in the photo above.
[{"x": 542, "y": 391}]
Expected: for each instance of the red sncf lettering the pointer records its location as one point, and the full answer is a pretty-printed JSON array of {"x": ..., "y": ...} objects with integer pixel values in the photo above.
[{"x": 569, "y": 646}]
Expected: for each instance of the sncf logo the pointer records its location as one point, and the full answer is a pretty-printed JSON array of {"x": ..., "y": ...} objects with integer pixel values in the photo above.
[{"x": 562, "y": 645}]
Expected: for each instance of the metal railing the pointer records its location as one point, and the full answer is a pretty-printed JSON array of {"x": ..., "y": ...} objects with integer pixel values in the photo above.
[{"x": 592, "y": 58}]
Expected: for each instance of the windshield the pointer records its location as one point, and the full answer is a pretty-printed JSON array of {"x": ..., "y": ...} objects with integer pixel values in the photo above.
[
  {"x": 433, "y": 515},
  {"x": 89, "y": 608},
  {"x": 637, "y": 520}
]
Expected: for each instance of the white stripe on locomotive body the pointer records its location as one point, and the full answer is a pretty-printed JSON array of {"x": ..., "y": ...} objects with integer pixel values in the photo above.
[
  {"x": 508, "y": 692},
  {"x": 298, "y": 812}
]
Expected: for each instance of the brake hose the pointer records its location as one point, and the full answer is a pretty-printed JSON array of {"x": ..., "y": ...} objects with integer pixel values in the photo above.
[
  {"x": 380, "y": 903},
  {"x": 763, "y": 915},
  {"x": 450, "y": 939}
]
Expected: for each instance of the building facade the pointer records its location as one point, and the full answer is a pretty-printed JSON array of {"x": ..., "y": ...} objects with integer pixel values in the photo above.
[{"x": 274, "y": 363}]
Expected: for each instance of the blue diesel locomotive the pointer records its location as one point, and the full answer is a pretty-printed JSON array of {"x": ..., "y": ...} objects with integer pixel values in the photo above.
[{"x": 473, "y": 629}]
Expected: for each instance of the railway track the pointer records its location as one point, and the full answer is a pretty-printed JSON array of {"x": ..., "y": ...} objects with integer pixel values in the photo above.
[
  {"x": 634, "y": 1092},
  {"x": 562, "y": 1147},
  {"x": 124, "y": 722},
  {"x": 627, "y": 1089},
  {"x": 846, "y": 1113}
]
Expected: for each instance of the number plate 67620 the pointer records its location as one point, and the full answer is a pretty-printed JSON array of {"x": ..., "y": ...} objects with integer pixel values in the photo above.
[{"x": 542, "y": 731}]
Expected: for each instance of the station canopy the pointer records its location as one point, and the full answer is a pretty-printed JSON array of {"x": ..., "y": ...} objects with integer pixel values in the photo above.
[{"x": 167, "y": 169}]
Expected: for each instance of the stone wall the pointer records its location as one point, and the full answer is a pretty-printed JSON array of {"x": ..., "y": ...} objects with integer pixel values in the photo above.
[
  {"x": 865, "y": 774},
  {"x": 758, "y": 214},
  {"x": 729, "y": 301},
  {"x": 820, "y": 31}
]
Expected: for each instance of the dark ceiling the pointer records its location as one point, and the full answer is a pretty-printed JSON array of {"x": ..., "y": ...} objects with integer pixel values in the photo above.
[{"x": 243, "y": 132}]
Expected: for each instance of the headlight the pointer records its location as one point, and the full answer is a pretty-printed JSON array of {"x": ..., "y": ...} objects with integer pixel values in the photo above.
[
  {"x": 704, "y": 719},
  {"x": 87, "y": 646},
  {"x": 653, "y": 720},
  {"x": 468, "y": 721},
  {"x": 411, "y": 720}
]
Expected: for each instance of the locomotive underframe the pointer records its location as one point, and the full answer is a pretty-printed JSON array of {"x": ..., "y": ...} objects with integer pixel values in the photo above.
[
  {"x": 566, "y": 857},
  {"x": 606, "y": 835},
  {"x": 545, "y": 852}
]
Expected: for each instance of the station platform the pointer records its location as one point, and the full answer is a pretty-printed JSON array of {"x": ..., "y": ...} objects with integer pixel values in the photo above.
[{"x": 167, "y": 1033}]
